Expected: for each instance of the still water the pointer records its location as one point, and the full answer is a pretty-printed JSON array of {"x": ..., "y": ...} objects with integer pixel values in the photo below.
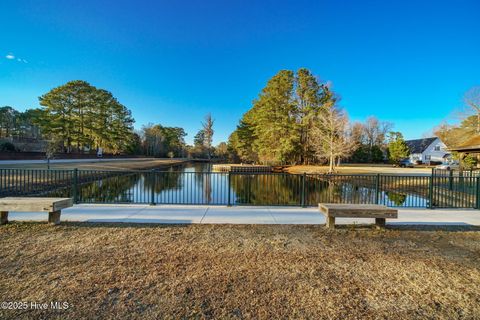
[{"x": 194, "y": 183}]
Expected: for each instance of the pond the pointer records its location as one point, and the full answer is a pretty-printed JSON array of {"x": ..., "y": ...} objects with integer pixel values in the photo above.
[{"x": 194, "y": 183}]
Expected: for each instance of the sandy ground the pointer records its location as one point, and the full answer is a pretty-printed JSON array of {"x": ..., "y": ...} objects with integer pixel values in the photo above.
[
  {"x": 116, "y": 271},
  {"x": 104, "y": 164},
  {"x": 361, "y": 169}
]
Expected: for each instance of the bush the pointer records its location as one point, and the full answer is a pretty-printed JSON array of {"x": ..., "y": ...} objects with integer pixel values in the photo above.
[
  {"x": 469, "y": 162},
  {"x": 7, "y": 147}
]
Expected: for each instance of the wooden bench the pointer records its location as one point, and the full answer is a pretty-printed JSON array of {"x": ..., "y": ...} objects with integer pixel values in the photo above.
[
  {"x": 53, "y": 206},
  {"x": 337, "y": 210}
]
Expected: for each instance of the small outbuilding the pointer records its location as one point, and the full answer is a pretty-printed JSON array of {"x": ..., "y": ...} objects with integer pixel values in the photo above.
[{"x": 469, "y": 147}]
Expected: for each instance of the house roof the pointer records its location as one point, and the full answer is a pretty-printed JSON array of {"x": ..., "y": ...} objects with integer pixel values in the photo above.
[
  {"x": 419, "y": 145},
  {"x": 471, "y": 145}
]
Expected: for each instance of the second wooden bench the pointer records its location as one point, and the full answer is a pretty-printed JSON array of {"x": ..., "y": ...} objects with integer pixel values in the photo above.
[{"x": 340, "y": 210}]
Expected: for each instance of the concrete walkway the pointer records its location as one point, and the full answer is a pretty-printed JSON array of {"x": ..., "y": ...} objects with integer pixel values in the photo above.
[{"x": 241, "y": 215}]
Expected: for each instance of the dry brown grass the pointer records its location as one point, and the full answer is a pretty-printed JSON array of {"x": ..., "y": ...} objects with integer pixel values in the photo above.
[
  {"x": 360, "y": 169},
  {"x": 104, "y": 164},
  {"x": 240, "y": 272}
]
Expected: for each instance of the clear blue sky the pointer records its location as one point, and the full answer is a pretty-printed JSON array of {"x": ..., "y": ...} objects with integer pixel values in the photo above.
[{"x": 171, "y": 62}]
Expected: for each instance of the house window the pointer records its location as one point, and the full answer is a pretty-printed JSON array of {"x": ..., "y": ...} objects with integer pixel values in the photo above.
[
  {"x": 428, "y": 157},
  {"x": 437, "y": 147}
]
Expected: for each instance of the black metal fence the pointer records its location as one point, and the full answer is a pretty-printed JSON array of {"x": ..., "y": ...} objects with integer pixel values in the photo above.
[{"x": 441, "y": 189}]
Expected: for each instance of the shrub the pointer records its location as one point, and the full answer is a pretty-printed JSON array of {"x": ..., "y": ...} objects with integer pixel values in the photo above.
[
  {"x": 469, "y": 162},
  {"x": 7, "y": 147}
]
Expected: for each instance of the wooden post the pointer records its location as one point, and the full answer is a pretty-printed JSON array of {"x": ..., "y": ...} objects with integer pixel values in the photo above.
[
  {"x": 330, "y": 223},
  {"x": 380, "y": 222},
  {"x": 54, "y": 217},
  {"x": 3, "y": 217}
]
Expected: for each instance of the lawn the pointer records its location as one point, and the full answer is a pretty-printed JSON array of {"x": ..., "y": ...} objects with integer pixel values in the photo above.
[
  {"x": 103, "y": 164},
  {"x": 240, "y": 272},
  {"x": 361, "y": 169}
]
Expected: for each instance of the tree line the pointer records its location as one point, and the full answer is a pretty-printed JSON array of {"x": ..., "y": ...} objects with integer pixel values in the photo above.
[
  {"x": 296, "y": 119},
  {"x": 78, "y": 117},
  {"x": 14, "y": 123}
]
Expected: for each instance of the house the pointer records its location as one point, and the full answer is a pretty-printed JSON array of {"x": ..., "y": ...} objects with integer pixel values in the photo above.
[{"x": 428, "y": 150}]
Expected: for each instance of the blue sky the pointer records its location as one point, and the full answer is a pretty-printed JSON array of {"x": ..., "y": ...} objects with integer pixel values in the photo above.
[{"x": 171, "y": 62}]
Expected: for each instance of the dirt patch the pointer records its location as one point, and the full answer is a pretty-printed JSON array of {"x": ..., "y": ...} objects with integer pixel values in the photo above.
[{"x": 240, "y": 272}]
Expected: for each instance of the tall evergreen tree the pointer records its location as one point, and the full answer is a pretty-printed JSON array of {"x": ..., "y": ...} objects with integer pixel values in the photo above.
[
  {"x": 397, "y": 148},
  {"x": 84, "y": 117},
  {"x": 274, "y": 124},
  {"x": 311, "y": 97},
  {"x": 277, "y": 129}
]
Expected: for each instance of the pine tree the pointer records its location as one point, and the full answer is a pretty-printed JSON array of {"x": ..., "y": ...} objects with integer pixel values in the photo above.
[
  {"x": 397, "y": 148},
  {"x": 84, "y": 117},
  {"x": 277, "y": 129}
]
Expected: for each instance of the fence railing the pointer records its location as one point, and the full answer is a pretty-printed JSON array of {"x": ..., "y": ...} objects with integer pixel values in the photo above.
[{"x": 438, "y": 190}]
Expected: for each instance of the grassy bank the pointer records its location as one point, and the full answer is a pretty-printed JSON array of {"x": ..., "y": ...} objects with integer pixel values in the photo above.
[
  {"x": 360, "y": 169},
  {"x": 104, "y": 164},
  {"x": 239, "y": 272}
]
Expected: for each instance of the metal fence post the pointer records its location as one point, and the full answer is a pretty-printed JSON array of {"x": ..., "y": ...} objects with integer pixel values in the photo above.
[
  {"x": 75, "y": 186},
  {"x": 153, "y": 181},
  {"x": 477, "y": 199},
  {"x": 430, "y": 192},
  {"x": 377, "y": 188},
  {"x": 304, "y": 178},
  {"x": 450, "y": 180},
  {"x": 229, "y": 189}
]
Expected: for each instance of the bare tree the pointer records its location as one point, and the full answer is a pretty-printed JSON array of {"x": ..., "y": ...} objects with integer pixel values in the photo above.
[
  {"x": 208, "y": 134},
  {"x": 472, "y": 100},
  {"x": 331, "y": 135},
  {"x": 375, "y": 132}
]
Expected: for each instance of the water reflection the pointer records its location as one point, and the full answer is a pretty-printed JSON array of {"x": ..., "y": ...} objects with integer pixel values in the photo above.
[
  {"x": 195, "y": 184},
  {"x": 397, "y": 198}
]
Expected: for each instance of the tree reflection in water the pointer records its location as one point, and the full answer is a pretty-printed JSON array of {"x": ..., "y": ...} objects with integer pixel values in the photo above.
[
  {"x": 397, "y": 198},
  {"x": 195, "y": 184}
]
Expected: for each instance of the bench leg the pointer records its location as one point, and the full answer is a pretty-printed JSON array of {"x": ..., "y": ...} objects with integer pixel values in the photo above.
[
  {"x": 380, "y": 222},
  {"x": 3, "y": 217},
  {"x": 330, "y": 223},
  {"x": 54, "y": 217}
]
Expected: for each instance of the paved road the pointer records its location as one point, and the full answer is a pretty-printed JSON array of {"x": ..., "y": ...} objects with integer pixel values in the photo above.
[{"x": 242, "y": 215}]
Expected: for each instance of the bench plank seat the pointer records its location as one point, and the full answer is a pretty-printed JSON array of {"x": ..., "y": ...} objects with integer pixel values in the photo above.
[
  {"x": 340, "y": 210},
  {"x": 53, "y": 206}
]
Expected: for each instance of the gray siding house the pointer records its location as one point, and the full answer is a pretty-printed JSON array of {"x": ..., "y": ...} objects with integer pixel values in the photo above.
[{"x": 427, "y": 150}]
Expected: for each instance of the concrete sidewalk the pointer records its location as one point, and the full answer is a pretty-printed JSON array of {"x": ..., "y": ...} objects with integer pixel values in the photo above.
[{"x": 241, "y": 215}]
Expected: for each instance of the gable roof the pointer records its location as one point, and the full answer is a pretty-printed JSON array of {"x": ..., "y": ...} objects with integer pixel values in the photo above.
[
  {"x": 419, "y": 145},
  {"x": 472, "y": 144}
]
